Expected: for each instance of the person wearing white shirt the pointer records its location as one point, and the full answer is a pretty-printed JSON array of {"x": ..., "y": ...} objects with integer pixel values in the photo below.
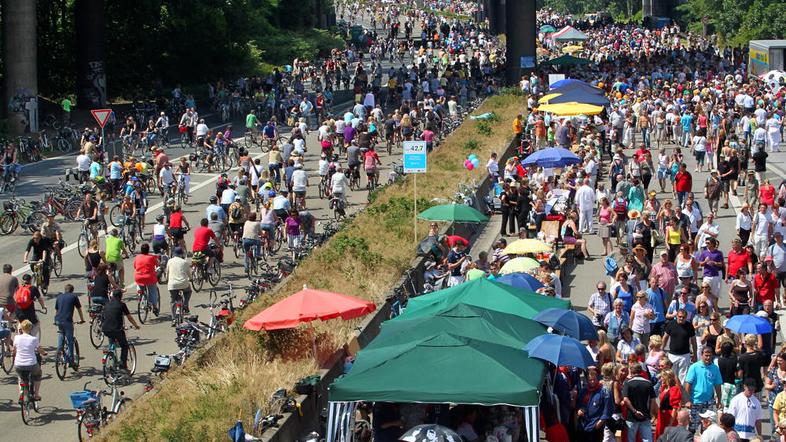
[
  {"x": 83, "y": 163},
  {"x": 493, "y": 167},
  {"x": 201, "y": 129},
  {"x": 762, "y": 227},
  {"x": 359, "y": 111},
  {"x": 709, "y": 229},
  {"x": 166, "y": 177},
  {"x": 228, "y": 197},
  {"x": 323, "y": 165},
  {"x": 338, "y": 184},
  {"x": 585, "y": 201},
  {"x": 773, "y": 126},
  {"x": 760, "y": 136},
  {"x": 744, "y": 223},
  {"x": 747, "y": 411}
]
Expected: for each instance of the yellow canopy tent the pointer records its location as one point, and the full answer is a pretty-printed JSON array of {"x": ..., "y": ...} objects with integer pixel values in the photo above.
[
  {"x": 570, "y": 109},
  {"x": 571, "y": 49}
]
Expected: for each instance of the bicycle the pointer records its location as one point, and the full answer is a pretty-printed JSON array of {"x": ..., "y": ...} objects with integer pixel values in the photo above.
[
  {"x": 85, "y": 234},
  {"x": 202, "y": 270},
  {"x": 220, "y": 321},
  {"x": 96, "y": 323},
  {"x": 37, "y": 268},
  {"x": 8, "y": 183},
  {"x": 112, "y": 368},
  {"x": 6, "y": 349},
  {"x": 144, "y": 305},
  {"x": 354, "y": 178},
  {"x": 18, "y": 213},
  {"x": 57, "y": 261},
  {"x": 64, "y": 360},
  {"x": 90, "y": 414},
  {"x": 27, "y": 402},
  {"x": 180, "y": 197},
  {"x": 324, "y": 187}
]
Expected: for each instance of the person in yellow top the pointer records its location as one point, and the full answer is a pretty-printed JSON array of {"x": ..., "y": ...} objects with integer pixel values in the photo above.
[
  {"x": 518, "y": 126},
  {"x": 779, "y": 415}
]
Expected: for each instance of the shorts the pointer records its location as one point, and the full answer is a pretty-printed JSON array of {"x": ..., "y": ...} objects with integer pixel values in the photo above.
[
  {"x": 293, "y": 241},
  {"x": 371, "y": 172},
  {"x": 300, "y": 193},
  {"x": 725, "y": 185},
  {"x": 663, "y": 173},
  {"x": 177, "y": 233},
  {"x": 700, "y": 155},
  {"x": 159, "y": 245},
  {"x": 33, "y": 372},
  {"x": 118, "y": 264},
  {"x": 270, "y": 229},
  {"x": 235, "y": 227}
]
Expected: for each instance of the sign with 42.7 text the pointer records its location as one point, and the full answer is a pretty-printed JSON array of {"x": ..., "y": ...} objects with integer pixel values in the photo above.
[{"x": 414, "y": 156}]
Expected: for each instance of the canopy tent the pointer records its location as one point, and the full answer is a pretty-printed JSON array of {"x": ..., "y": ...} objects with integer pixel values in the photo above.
[
  {"x": 527, "y": 245},
  {"x": 462, "y": 320},
  {"x": 571, "y": 109},
  {"x": 523, "y": 264},
  {"x": 482, "y": 293},
  {"x": 460, "y": 213},
  {"x": 568, "y": 84},
  {"x": 569, "y": 33},
  {"x": 545, "y": 99},
  {"x": 566, "y": 60},
  {"x": 547, "y": 29},
  {"x": 580, "y": 96}
]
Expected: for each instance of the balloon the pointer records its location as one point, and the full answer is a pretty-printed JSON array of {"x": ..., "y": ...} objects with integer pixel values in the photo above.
[
  {"x": 476, "y": 162},
  {"x": 467, "y": 163},
  {"x": 472, "y": 156},
  {"x": 470, "y": 166}
]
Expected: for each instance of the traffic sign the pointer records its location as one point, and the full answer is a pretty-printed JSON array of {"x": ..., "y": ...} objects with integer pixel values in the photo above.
[
  {"x": 414, "y": 156},
  {"x": 101, "y": 116}
]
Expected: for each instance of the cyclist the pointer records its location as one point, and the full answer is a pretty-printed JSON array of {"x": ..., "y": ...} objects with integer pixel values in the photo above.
[
  {"x": 139, "y": 198},
  {"x": 9, "y": 163},
  {"x": 324, "y": 164},
  {"x": 27, "y": 350},
  {"x": 274, "y": 162},
  {"x": 300, "y": 185},
  {"x": 166, "y": 180},
  {"x": 89, "y": 212},
  {"x": 128, "y": 131},
  {"x": 178, "y": 225},
  {"x": 115, "y": 250},
  {"x": 8, "y": 286},
  {"x": 178, "y": 271},
  {"x": 353, "y": 160},
  {"x": 270, "y": 133},
  {"x": 251, "y": 234},
  {"x": 116, "y": 174},
  {"x": 41, "y": 248},
  {"x": 183, "y": 173},
  {"x": 243, "y": 192},
  {"x": 187, "y": 120},
  {"x": 24, "y": 298},
  {"x": 201, "y": 132},
  {"x": 159, "y": 236},
  {"x": 202, "y": 237},
  {"x": 251, "y": 122},
  {"x": 162, "y": 127},
  {"x": 268, "y": 218},
  {"x": 65, "y": 304},
  {"x": 52, "y": 231},
  {"x": 237, "y": 216},
  {"x": 103, "y": 282},
  {"x": 145, "y": 274},
  {"x": 112, "y": 324},
  {"x": 338, "y": 186},
  {"x": 214, "y": 207},
  {"x": 220, "y": 231},
  {"x": 370, "y": 162}
]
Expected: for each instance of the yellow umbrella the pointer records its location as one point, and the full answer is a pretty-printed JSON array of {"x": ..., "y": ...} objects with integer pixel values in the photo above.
[
  {"x": 528, "y": 245},
  {"x": 519, "y": 265},
  {"x": 571, "y": 49},
  {"x": 572, "y": 108},
  {"x": 547, "y": 97}
]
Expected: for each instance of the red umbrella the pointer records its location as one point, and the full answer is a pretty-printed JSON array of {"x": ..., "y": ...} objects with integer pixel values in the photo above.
[
  {"x": 453, "y": 239},
  {"x": 308, "y": 305}
]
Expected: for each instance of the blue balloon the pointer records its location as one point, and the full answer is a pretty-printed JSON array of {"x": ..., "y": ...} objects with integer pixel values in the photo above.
[
  {"x": 472, "y": 156},
  {"x": 476, "y": 162}
]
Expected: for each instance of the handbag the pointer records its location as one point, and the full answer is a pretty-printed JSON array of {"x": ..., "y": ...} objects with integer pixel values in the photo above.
[{"x": 612, "y": 230}]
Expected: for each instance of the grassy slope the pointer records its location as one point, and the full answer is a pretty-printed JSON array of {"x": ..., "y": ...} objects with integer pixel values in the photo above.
[{"x": 243, "y": 369}]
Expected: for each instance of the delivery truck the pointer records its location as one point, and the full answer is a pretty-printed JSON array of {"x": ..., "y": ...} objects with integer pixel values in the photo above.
[{"x": 765, "y": 56}]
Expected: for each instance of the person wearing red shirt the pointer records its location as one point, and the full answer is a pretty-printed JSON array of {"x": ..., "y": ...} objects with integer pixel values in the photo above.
[
  {"x": 683, "y": 183},
  {"x": 767, "y": 193},
  {"x": 766, "y": 286},
  {"x": 177, "y": 222},
  {"x": 202, "y": 236},
  {"x": 738, "y": 258},
  {"x": 145, "y": 275}
]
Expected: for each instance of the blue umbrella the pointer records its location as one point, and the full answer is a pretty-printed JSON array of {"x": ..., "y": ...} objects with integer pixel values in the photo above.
[
  {"x": 560, "y": 351},
  {"x": 568, "y": 322},
  {"x": 551, "y": 157},
  {"x": 566, "y": 82},
  {"x": 748, "y": 324},
  {"x": 521, "y": 281}
]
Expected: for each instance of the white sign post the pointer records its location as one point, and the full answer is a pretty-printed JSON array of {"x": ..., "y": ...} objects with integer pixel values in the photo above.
[{"x": 415, "y": 160}]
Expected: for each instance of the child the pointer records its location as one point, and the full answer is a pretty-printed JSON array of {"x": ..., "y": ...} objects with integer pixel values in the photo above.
[{"x": 293, "y": 231}]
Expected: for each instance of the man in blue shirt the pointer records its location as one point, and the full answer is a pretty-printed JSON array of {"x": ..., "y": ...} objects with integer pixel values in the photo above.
[
  {"x": 687, "y": 128},
  {"x": 65, "y": 304},
  {"x": 702, "y": 386},
  {"x": 215, "y": 208},
  {"x": 594, "y": 405},
  {"x": 657, "y": 298}
]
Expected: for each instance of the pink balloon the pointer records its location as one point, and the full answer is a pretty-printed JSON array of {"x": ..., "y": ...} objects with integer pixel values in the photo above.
[
  {"x": 470, "y": 166},
  {"x": 467, "y": 163}
]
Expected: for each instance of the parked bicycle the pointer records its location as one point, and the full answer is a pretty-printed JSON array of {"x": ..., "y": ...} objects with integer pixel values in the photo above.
[{"x": 92, "y": 414}]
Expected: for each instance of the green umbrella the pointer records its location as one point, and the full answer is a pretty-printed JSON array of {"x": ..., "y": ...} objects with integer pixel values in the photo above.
[
  {"x": 547, "y": 29},
  {"x": 462, "y": 320},
  {"x": 566, "y": 60},
  {"x": 482, "y": 293},
  {"x": 443, "y": 368},
  {"x": 460, "y": 213}
]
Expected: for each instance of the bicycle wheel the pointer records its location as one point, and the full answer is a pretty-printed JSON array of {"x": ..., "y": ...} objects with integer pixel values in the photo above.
[
  {"x": 96, "y": 335},
  {"x": 82, "y": 243},
  {"x": 279, "y": 240},
  {"x": 7, "y": 224},
  {"x": 26, "y": 407},
  {"x": 236, "y": 248},
  {"x": 131, "y": 359},
  {"x": 142, "y": 308},
  {"x": 110, "y": 369},
  {"x": 63, "y": 145},
  {"x": 196, "y": 278},
  {"x": 88, "y": 425},
  {"x": 35, "y": 220},
  {"x": 57, "y": 264},
  {"x": 322, "y": 188},
  {"x": 116, "y": 215},
  {"x": 214, "y": 273},
  {"x": 60, "y": 363},
  {"x": 6, "y": 359}
]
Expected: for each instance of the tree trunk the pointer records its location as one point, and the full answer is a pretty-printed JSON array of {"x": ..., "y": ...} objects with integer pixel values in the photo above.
[{"x": 90, "y": 53}]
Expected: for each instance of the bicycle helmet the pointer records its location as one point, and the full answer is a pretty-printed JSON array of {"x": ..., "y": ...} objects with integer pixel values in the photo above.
[
  {"x": 160, "y": 218},
  {"x": 213, "y": 199},
  {"x": 271, "y": 194}
]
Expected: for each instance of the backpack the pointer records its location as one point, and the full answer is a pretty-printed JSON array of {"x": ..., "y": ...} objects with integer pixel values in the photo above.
[
  {"x": 611, "y": 266},
  {"x": 23, "y": 298},
  {"x": 236, "y": 212}
]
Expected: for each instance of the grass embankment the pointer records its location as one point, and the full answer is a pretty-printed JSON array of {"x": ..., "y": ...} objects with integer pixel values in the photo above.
[{"x": 241, "y": 371}]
